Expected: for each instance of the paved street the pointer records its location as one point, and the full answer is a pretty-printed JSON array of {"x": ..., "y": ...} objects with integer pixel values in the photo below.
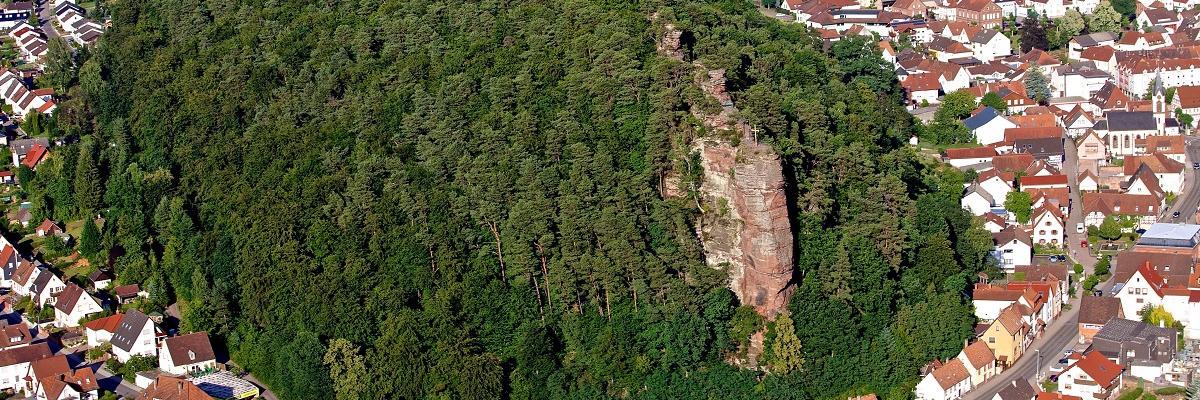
[
  {"x": 1189, "y": 200},
  {"x": 45, "y": 15},
  {"x": 1059, "y": 335},
  {"x": 109, "y": 381}
]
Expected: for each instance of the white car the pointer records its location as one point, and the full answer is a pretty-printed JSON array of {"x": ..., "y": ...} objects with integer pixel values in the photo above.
[{"x": 1079, "y": 228}]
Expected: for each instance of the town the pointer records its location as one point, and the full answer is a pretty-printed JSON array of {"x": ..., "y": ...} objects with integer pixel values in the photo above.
[
  {"x": 73, "y": 329},
  {"x": 1073, "y": 123}
]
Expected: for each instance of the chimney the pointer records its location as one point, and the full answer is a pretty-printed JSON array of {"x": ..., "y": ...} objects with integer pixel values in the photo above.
[{"x": 1161, "y": 324}]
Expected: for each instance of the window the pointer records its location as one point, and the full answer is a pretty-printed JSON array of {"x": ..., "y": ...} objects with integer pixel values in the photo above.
[{"x": 991, "y": 339}]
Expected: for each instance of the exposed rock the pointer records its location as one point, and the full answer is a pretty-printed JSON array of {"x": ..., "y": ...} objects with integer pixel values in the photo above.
[
  {"x": 671, "y": 44},
  {"x": 746, "y": 224}
]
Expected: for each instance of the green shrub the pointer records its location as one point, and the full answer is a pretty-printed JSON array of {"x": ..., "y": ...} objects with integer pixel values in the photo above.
[
  {"x": 1131, "y": 395},
  {"x": 1170, "y": 391}
]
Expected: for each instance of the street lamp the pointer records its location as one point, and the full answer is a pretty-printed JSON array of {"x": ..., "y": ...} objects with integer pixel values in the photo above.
[{"x": 1038, "y": 367}]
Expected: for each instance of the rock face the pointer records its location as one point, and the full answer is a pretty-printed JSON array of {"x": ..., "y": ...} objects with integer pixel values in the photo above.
[
  {"x": 748, "y": 225},
  {"x": 745, "y": 225},
  {"x": 746, "y": 222}
]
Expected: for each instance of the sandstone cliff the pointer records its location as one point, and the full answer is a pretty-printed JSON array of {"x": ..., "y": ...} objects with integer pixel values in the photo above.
[{"x": 745, "y": 224}]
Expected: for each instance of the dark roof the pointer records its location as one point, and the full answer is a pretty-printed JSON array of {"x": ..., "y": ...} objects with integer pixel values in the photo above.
[
  {"x": 1019, "y": 389},
  {"x": 1131, "y": 121},
  {"x": 1039, "y": 147},
  {"x": 1123, "y": 330},
  {"x": 981, "y": 118},
  {"x": 190, "y": 348},
  {"x": 68, "y": 297},
  {"x": 1094, "y": 39},
  {"x": 127, "y": 332},
  {"x": 1098, "y": 310},
  {"x": 100, "y": 276}
]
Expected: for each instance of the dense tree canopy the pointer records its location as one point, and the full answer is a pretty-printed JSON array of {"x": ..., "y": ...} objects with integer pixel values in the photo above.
[{"x": 412, "y": 199}]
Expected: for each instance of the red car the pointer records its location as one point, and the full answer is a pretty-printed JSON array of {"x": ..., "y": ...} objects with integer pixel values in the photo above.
[{"x": 1083, "y": 244}]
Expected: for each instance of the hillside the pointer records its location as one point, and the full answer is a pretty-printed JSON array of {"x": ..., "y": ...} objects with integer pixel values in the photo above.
[{"x": 409, "y": 199}]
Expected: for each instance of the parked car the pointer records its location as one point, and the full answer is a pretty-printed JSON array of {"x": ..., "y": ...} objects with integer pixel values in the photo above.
[
  {"x": 1196, "y": 165},
  {"x": 1079, "y": 228},
  {"x": 1064, "y": 361},
  {"x": 1175, "y": 214}
]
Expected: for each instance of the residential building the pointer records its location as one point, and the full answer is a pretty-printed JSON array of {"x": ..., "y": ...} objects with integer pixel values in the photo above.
[
  {"x": 1092, "y": 376},
  {"x": 1094, "y": 312},
  {"x": 1146, "y": 351},
  {"x": 173, "y": 388},
  {"x": 1098, "y": 206},
  {"x": 1006, "y": 336},
  {"x": 988, "y": 126},
  {"x": 100, "y": 331},
  {"x": 187, "y": 354},
  {"x": 1014, "y": 247},
  {"x": 979, "y": 362},
  {"x": 980, "y": 12},
  {"x": 74, "y": 304},
  {"x": 135, "y": 336},
  {"x": 1018, "y": 389},
  {"x": 14, "y": 363},
  {"x": 1048, "y": 226},
  {"x": 946, "y": 382}
]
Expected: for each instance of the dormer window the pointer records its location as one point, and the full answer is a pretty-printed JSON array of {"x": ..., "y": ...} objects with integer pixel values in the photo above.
[{"x": 191, "y": 355}]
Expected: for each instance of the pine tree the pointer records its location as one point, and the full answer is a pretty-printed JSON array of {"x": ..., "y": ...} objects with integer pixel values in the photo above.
[
  {"x": 89, "y": 239},
  {"x": 87, "y": 181},
  {"x": 786, "y": 351}
]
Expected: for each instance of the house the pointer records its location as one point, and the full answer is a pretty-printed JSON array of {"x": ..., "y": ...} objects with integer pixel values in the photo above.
[
  {"x": 988, "y": 45},
  {"x": 1006, "y": 336},
  {"x": 1018, "y": 389},
  {"x": 979, "y": 362},
  {"x": 983, "y": 13},
  {"x": 1169, "y": 172},
  {"x": 74, "y": 304},
  {"x": 128, "y": 293},
  {"x": 1088, "y": 181},
  {"x": 30, "y": 41},
  {"x": 1078, "y": 79},
  {"x": 989, "y": 301},
  {"x": 922, "y": 88},
  {"x": 969, "y": 156},
  {"x": 71, "y": 18},
  {"x": 48, "y": 228},
  {"x": 100, "y": 279},
  {"x": 46, "y": 285},
  {"x": 1012, "y": 162},
  {"x": 14, "y": 13},
  {"x": 186, "y": 354},
  {"x": 988, "y": 126},
  {"x": 911, "y": 8},
  {"x": 978, "y": 201},
  {"x": 1092, "y": 376},
  {"x": 1172, "y": 147},
  {"x": 1049, "y": 149},
  {"x": 1056, "y": 396},
  {"x": 172, "y": 388},
  {"x": 1047, "y": 224},
  {"x": 1029, "y": 183},
  {"x": 1094, "y": 312},
  {"x": 1078, "y": 121},
  {"x": 135, "y": 336},
  {"x": 1098, "y": 206},
  {"x": 15, "y": 335},
  {"x": 1014, "y": 247},
  {"x": 52, "y": 378},
  {"x": 993, "y": 222},
  {"x": 1077, "y": 44},
  {"x": 1158, "y": 17},
  {"x": 34, "y": 157},
  {"x": 23, "y": 100},
  {"x": 1146, "y": 351},
  {"x": 1143, "y": 181},
  {"x": 1052, "y": 273},
  {"x": 1144, "y": 288},
  {"x": 1187, "y": 99},
  {"x": 946, "y": 49},
  {"x": 14, "y": 363},
  {"x": 946, "y": 382},
  {"x": 100, "y": 331},
  {"x": 20, "y": 148}
]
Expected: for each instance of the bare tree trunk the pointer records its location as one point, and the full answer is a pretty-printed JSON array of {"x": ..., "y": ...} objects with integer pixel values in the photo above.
[
  {"x": 499, "y": 252},
  {"x": 545, "y": 273}
]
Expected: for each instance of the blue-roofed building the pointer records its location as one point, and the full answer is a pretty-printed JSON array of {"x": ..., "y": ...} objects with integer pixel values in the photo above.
[
  {"x": 988, "y": 126},
  {"x": 14, "y": 13},
  {"x": 1174, "y": 238}
]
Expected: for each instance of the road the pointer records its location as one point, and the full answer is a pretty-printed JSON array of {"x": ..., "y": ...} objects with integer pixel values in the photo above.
[
  {"x": 1189, "y": 200},
  {"x": 45, "y": 16},
  {"x": 113, "y": 383},
  {"x": 1062, "y": 332}
]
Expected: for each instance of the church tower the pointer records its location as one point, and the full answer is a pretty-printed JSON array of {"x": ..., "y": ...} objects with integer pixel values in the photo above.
[{"x": 1158, "y": 100}]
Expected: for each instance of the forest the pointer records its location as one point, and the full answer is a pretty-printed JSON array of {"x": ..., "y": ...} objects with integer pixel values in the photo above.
[{"x": 411, "y": 199}]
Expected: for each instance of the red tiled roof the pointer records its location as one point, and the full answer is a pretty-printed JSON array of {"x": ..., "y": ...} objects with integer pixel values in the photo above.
[
  {"x": 1043, "y": 180},
  {"x": 971, "y": 152},
  {"x": 107, "y": 324},
  {"x": 1102, "y": 370},
  {"x": 34, "y": 156}
]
